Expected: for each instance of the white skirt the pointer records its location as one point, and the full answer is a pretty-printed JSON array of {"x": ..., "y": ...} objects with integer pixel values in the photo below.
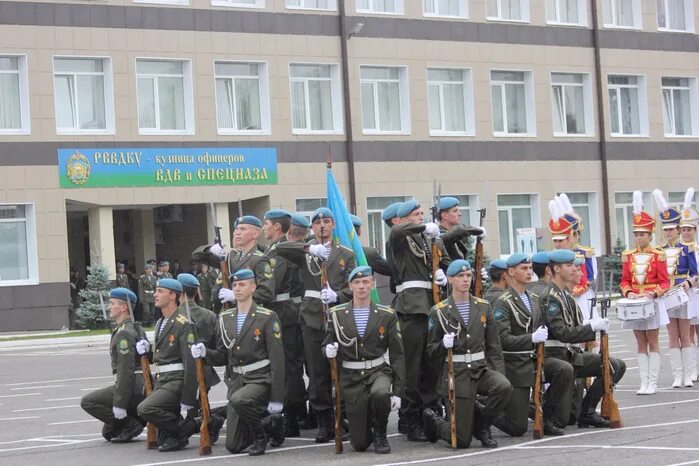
[
  {"x": 682, "y": 312},
  {"x": 660, "y": 319}
]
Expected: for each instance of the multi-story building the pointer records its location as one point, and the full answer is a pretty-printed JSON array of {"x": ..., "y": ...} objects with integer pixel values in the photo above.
[{"x": 503, "y": 102}]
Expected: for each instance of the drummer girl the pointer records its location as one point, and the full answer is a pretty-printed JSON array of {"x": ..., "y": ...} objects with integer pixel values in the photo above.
[
  {"x": 644, "y": 275},
  {"x": 688, "y": 234}
]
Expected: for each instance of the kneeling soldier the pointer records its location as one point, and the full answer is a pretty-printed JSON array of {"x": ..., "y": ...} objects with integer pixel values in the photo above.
[
  {"x": 464, "y": 324},
  {"x": 365, "y": 332},
  {"x": 116, "y": 405},
  {"x": 249, "y": 342}
]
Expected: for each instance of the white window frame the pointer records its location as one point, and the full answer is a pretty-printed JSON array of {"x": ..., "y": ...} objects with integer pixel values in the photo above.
[
  {"x": 308, "y": 213},
  {"x": 377, "y": 212},
  {"x": 403, "y": 93},
  {"x": 336, "y": 94},
  {"x": 593, "y": 225},
  {"x": 32, "y": 250},
  {"x": 626, "y": 227},
  {"x": 469, "y": 112},
  {"x": 642, "y": 105},
  {"x": 188, "y": 89},
  {"x": 463, "y": 10},
  {"x": 587, "y": 103},
  {"x": 693, "y": 106},
  {"x": 528, "y": 100},
  {"x": 609, "y": 20},
  {"x": 582, "y": 14},
  {"x": 25, "y": 119},
  {"x": 688, "y": 17},
  {"x": 108, "y": 94},
  {"x": 535, "y": 216},
  {"x": 400, "y": 8},
  {"x": 332, "y": 6},
  {"x": 265, "y": 118},
  {"x": 523, "y": 6},
  {"x": 165, "y": 2},
  {"x": 259, "y": 4}
]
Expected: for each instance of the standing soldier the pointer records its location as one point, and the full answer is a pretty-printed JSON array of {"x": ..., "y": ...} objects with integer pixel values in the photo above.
[
  {"x": 204, "y": 285},
  {"x": 164, "y": 269},
  {"x": 454, "y": 233},
  {"x": 249, "y": 342},
  {"x": 464, "y": 324},
  {"x": 309, "y": 258},
  {"x": 122, "y": 279},
  {"x": 371, "y": 388},
  {"x": 116, "y": 405},
  {"x": 175, "y": 388},
  {"x": 498, "y": 277},
  {"x": 146, "y": 290}
]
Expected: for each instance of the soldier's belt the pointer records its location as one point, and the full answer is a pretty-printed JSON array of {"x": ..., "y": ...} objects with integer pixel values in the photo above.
[
  {"x": 467, "y": 357},
  {"x": 556, "y": 344},
  {"x": 242, "y": 370},
  {"x": 296, "y": 299},
  {"x": 282, "y": 297},
  {"x": 413, "y": 284},
  {"x": 161, "y": 369},
  {"x": 361, "y": 365},
  {"x": 139, "y": 371},
  {"x": 518, "y": 352},
  {"x": 312, "y": 294}
]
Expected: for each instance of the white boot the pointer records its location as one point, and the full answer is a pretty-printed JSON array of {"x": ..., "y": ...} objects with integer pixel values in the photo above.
[
  {"x": 653, "y": 372},
  {"x": 695, "y": 371},
  {"x": 688, "y": 363},
  {"x": 676, "y": 364},
  {"x": 643, "y": 370}
]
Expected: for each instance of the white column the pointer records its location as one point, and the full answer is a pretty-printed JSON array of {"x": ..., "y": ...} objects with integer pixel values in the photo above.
[
  {"x": 222, "y": 221},
  {"x": 101, "y": 230}
]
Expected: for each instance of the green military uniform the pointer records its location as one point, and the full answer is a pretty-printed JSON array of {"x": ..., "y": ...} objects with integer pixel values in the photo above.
[
  {"x": 255, "y": 260},
  {"x": 366, "y": 390},
  {"x": 204, "y": 322},
  {"x": 122, "y": 280},
  {"x": 516, "y": 323},
  {"x": 481, "y": 371},
  {"x": 377, "y": 261},
  {"x": 146, "y": 288},
  {"x": 456, "y": 240},
  {"x": 255, "y": 360},
  {"x": 205, "y": 289},
  {"x": 493, "y": 293},
  {"x": 127, "y": 391},
  {"x": 538, "y": 288}
]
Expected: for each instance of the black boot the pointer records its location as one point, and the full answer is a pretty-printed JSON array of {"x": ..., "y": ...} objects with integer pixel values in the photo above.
[
  {"x": 430, "y": 422},
  {"x": 415, "y": 432},
  {"x": 173, "y": 441},
  {"x": 110, "y": 431},
  {"x": 325, "y": 426},
  {"x": 259, "y": 443},
  {"x": 482, "y": 431},
  {"x": 551, "y": 430},
  {"x": 308, "y": 419},
  {"x": 131, "y": 428},
  {"x": 215, "y": 425},
  {"x": 588, "y": 416},
  {"x": 402, "y": 424},
  {"x": 274, "y": 429},
  {"x": 291, "y": 423},
  {"x": 381, "y": 445}
]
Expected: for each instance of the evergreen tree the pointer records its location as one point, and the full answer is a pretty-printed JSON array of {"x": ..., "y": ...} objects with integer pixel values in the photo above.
[
  {"x": 613, "y": 264},
  {"x": 90, "y": 315}
]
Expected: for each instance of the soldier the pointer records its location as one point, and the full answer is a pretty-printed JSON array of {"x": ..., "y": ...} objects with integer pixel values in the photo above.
[
  {"x": 164, "y": 269},
  {"x": 116, "y": 405},
  {"x": 175, "y": 388},
  {"x": 249, "y": 342},
  {"x": 464, "y": 324},
  {"x": 520, "y": 325},
  {"x": 566, "y": 328},
  {"x": 540, "y": 266},
  {"x": 454, "y": 233},
  {"x": 498, "y": 277},
  {"x": 146, "y": 290},
  {"x": 371, "y": 388},
  {"x": 374, "y": 258},
  {"x": 204, "y": 285},
  {"x": 309, "y": 258},
  {"x": 122, "y": 279}
]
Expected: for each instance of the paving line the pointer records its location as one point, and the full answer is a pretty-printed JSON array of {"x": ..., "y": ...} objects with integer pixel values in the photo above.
[
  {"x": 47, "y": 408},
  {"x": 37, "y": 388},
  {"x": 57, "y": 380},
  {"x": 19, "y": 394}
]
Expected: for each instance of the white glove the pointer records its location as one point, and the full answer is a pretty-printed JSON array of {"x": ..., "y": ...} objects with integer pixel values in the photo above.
[
  {"x": 226, "y": 296},
  {"x": 142, "y": 347},
  {"x": 218, "y": 251},
  {"x": 448, "y": 340},
  {"x": 439, "y": 278},
  {"x": 432, "y": 230},
  {"x": 540, "y": 335},
  {"x": 319, "y": 250},
  {"x": 482, "y": 235},
  {"x": 119, "y": 413},
  {"x": 275, "y": 407},
  {"x": 198, "y": 350},
  {"x": 327, "y": 295},
  {"x": 184, "y": 408},
  {"x": 599, "y": 325},
  {"x": 331, "y": 350},
  {"x": 484, "y": 274},
  {"x": 395, "y": 403}
]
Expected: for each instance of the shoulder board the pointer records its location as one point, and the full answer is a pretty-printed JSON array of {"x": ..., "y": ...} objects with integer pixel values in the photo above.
[
  {"x": 533, "y": 295},
  {"x": 258, "y": 253},
  {"x": 264, "y": 311},
  {"x": 505, "y": 295},
  {"x": 226, "y": 312},
  {"x": 339, "y": 307},
  {"x": 481, "y": 301},
  {"x": 181, "y": 319},
  {"x": 384, "y": 308},
  {"x": 345, "y": 248},
  {"x": 442, "y": 304}
]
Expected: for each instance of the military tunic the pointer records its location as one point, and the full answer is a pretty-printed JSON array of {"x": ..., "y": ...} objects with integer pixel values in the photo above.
[
  {"x": 205, "y": 289},
  {"x": 456, "y": 240},
  {"x": 493, "y": 293},
  {"x": 122, "y": 280},
  {"x": 204, "y": 322},
  {"x": 146, "y": 289},
  {"x": 377, "y": 262}
]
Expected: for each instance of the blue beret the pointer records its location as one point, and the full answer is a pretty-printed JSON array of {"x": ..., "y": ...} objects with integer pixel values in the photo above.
[
  {"x": 517, "y": 258},
  {"x": 124, "y": 294},
  {"x": 390, "y": 212},
  {"x": 242, "y": 274},
  {"x": 562, "y": 256},
  {"x": 498, "y": 264},
  {"x": 169, "y": 284},
  {"x": 300, "y": 220},
  {"x": 324, "y": 211},
  {"x": 447, "y": 203},
  {"x": 360, "y": 272},
  {"x": 188, "y": 280},
  {"x": 277, "y": 213},
  {"x": 579, "y": 260},
  {"x": 248, "y": 220},
  {"x": 458, "y": 266},
  {"x": 541, "y": 258},
  {"x": 407, "y": 207},
  {"x": 356, "y": 221}
]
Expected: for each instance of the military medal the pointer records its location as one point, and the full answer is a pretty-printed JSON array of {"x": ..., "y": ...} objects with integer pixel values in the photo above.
[
  {"x": 381, "y": 332},
  {"x": 257, "y": 334},
  {"x": 171, "y": 339},
  {"x": 483, "y": 320}
]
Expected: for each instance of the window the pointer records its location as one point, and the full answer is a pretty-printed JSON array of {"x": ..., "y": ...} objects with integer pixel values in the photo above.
[
  {"x": 627, "y": 105},
  {"x": 623, "y": 207},
  {"x": 312, "y": 4},
  {"x": 515, "y": 219},
  {"x": 14, "y": 95},
  {"x": 513, "y": 103},
  {"x": 376, "y": 228},
  {"x": 18, "y": 253},
  {"x": 83, "y": 95},
  {"x": 569, "y": 12},
  {"x": 315, "y": 98},
  {"x": 450, "y": 102},
  {"x": 676, "y": 198},
  {"x": 164, "y": 96},
  {"x": 675, "y": 15},
  {"x": 508, "y": 10},
  {"x": 585, "y": 205},
  {"x": 572, "y": 104},
  {"x": 242, "y": 99},
  {"x": 622, "y": 13},
  {"x": 447, "y": 8},
  {"x": 679, "y": 106},
  {"x": 385, "y": 101},
  {"x": 306, "y": 207},
  {"x": 380, "y": 6},
  {"x": 240, "y": 3}
]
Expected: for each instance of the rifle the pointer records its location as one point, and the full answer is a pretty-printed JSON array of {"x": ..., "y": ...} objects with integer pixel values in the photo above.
[
  {"x": 478, "y": 260},
  {"x": 204, "y": 437},
  {"x": 610, "y": 407},
  {"x": 589, "y": 346},
  {"x": 538, "y": 393}
]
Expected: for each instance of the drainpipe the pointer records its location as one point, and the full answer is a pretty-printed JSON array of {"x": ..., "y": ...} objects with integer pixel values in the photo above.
[{"x": 349, "y": 143}]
